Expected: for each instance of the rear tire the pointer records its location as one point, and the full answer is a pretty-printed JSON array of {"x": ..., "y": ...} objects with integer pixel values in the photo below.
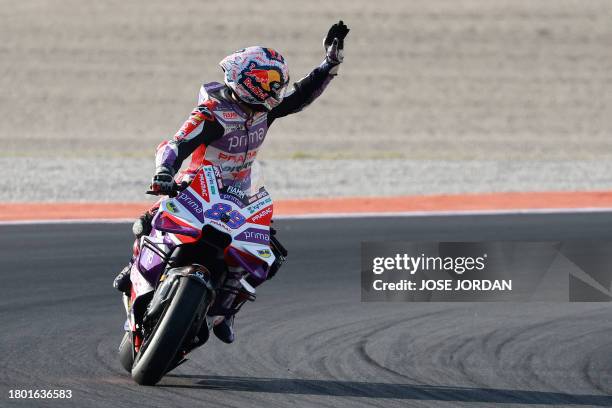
[
  {"x": 153, "y": 361},
  {"x": 126, "y": 355}
]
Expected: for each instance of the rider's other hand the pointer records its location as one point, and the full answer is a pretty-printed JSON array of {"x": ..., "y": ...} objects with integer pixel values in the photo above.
[
  {"x": 163, "y": 182},
  {"x": 334, "y": 43}
]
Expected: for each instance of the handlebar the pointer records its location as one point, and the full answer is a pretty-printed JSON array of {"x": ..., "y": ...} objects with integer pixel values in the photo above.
[{"x": 176, "y": 188}]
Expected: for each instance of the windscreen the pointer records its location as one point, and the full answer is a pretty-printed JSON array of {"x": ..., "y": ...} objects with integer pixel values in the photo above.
[{"x": 250, "y": 183}]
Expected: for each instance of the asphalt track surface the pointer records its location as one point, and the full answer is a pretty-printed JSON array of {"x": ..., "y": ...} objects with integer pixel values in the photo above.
[{"x": 307, "y": 341}]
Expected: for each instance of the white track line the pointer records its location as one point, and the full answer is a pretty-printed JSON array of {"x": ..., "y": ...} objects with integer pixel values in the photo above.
[{"x": 520, "y": 211}]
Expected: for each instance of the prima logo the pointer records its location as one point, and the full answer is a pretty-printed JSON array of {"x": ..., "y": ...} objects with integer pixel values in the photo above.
[
  {"x": 253, "y": 138},
  {"x": 192, "y": 204},
  {"x": 256, "y": 236}
]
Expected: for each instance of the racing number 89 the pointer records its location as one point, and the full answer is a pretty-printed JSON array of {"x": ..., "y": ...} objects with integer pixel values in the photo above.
[{"x": 219, "y": 209}]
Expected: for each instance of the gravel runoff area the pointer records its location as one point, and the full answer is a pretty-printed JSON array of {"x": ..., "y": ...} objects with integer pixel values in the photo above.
[
  {"x": 450, "y": 95},
  {"x": 422, "y": 80},
  {"x": 126, "y": 179}
]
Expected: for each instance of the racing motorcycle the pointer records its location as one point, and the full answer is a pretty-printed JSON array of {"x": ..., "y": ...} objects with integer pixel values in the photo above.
[{"x": 181, "y": 265}]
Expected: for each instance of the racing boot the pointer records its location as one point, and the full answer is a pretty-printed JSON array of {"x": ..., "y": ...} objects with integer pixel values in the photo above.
[
  {"x": 142, "y": 226},
  {"x": 122, "y": 282},
  {"x": 225, "y": 330},
  {"x": 230, "y": 299}
]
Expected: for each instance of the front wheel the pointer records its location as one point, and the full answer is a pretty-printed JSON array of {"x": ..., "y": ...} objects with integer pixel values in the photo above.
[
  {"x": 162, "y": 345},
  {"x": 126, "y": 355}
]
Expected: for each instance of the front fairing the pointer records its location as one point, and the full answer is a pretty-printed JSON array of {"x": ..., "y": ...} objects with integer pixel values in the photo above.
[
  {"x": 181, "y": 220},
  {"x": 243, "y": 216}
]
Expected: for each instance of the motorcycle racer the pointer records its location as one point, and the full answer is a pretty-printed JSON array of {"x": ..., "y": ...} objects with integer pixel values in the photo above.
[{"x": 228, "y": 127}]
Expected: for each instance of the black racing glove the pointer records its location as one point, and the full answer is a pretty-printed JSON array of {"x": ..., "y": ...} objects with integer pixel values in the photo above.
[
  {"x": 163, "y": 182},
  {"x": 334, "y": 43}
]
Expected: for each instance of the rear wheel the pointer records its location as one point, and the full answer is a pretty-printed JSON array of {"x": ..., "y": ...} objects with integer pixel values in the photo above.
[{"x": 159, "y": 350}]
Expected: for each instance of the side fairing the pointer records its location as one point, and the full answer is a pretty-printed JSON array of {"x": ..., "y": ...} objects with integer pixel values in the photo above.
[{"x": 149, "y": 264}]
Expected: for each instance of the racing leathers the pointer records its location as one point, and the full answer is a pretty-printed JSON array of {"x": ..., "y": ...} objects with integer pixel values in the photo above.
[{"x": 220, "y": 130}]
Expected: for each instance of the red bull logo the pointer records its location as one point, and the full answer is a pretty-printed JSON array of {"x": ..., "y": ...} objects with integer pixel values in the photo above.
[{"x": 265, "y": 77}]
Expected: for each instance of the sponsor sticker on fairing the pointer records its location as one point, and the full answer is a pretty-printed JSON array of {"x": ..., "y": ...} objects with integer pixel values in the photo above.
[
  {"x": 220, "y": 224},
  {"x": 264, "y": 253},
  {"x": 210, "y": 178},
  {"x": 256, "y": 206},
  {"x": 236, "y": 191},
  {"x": 262, "y": 217},
  {"x": 192, "y": 204},
  {"x": 232, "y": 198},
  {"x": 256, "y": 235},
  {"x": 204, "y": 187},
  {"x": 171, "y": 207}
]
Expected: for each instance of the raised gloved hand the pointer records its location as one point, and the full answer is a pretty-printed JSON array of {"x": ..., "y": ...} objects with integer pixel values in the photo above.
[
  {"x": 163, "y": 181},
  {"x": 334, "y": 44}
]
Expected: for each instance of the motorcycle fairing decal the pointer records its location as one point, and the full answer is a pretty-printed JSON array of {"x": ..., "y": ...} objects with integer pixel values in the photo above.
[
  {"x": 200, "y": 186},
  {"x": 148, "y": 264},
  {"x": 195, "y": 214},
  {"x": 257, "y": 206},
  {"x": 182, "y": 217},
  {"x": 191, "y": 203},
  {"x": 225, "y": 213},
  {"x": 255, "y": 235},
  {"x": 167, "y": 222},
  {"x": 260, "y": 194},
  {"x": 262, "y": 217},
  {"x": 221, "y": 226},
  {"x": 233, "y": 199},
  {"x": 261, "y": 252},
  {"x": 250, "y": 263},
  {"x": 186, "y": 215},
  {"x": 140, "y": 285},
  {"x": 183, "y": 239},
  {"x": 211, "y": 180}
]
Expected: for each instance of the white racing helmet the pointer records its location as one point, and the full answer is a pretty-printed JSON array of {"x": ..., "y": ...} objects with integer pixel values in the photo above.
[{"x": 257, "y": 75}]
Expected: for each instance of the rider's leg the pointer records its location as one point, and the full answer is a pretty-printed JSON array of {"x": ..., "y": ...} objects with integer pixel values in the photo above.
[
  {"x": 142, "y": 226},
  {"x": 231, "y": 297},
  {"x": 227, "y": 304}
]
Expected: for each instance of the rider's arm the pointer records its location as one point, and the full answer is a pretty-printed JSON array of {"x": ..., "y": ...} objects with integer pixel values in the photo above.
[
  {"x": 304, "y": 91},
  {"x": 308, "y": 89},
  {"x": 201, "y": 128}
]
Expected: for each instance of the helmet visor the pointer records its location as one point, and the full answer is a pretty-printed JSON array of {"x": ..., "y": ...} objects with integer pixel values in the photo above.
[{"x": 278, "y": 92}]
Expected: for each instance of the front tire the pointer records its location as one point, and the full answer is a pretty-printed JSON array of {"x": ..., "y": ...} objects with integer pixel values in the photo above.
[
  {"x": 126, "y": 354},
  {"x": 163, "y": 344}
]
